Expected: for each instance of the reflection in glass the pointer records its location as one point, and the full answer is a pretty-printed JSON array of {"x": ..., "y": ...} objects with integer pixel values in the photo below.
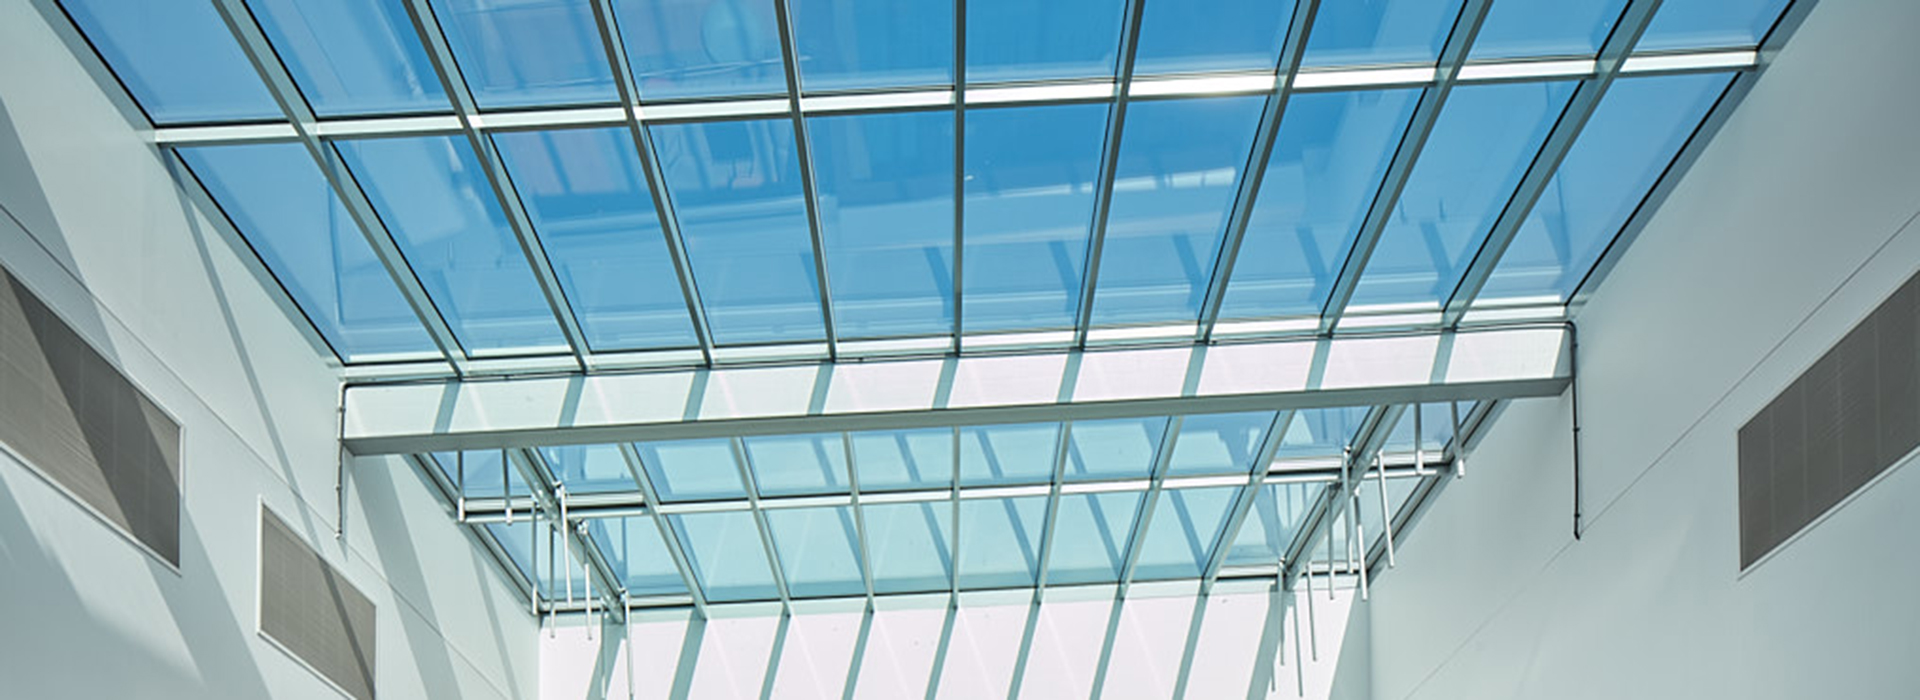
[
  {"x": 1025, "y": 40},
  {"x": 1029, "y": 203},
  {"x": 353, "y": 57},
  {"x": 819, "y": 550},
  {"x": 1382, "y": 31},
  {"x": 520, "y": 53},
  {"x": 727, "y": 555},
  {"x": 178, "y": 59},
  {"x": 845, "y": 44},
  {"x": 1185, "y": 524},
  {"x": 681, "y": 49},
  {"x": 886, "y": 209},
  {"x": 1230, "y": 35}
]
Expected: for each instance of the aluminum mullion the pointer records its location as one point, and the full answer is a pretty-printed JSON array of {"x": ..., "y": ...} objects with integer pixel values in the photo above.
[
  {"x": 534, "y": 470},
  {"x": 680, "y": 562},
  {"x": 742, "y": 462},
  {"x": 1580, "y": 108},
  {"x": 1372, "y": 434},
  {"x": 1109, "y": 164},
  {"x": 1162, "y": 459},
  {"x": 953, "y": 588},
  {"x": 1051, "y": 522},
  {"x": 859, "y": 517},
  {"x": 809, "y": 187},
  {"x": 959, "y": 167},
  {"x": 253, "y": 42},
  {"x": 616, "y": 50},
  {"x": 1251, "y": 178},
  {"x": 427, "y": 28},
  {"x": 1243, "y": 502},
  {"x": 1425, "y": 114}
]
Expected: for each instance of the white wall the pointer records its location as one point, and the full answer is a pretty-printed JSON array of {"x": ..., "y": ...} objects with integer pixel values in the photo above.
[
  {"x": 1795, "y": 222},
  {"x": 93, "y": 225}
]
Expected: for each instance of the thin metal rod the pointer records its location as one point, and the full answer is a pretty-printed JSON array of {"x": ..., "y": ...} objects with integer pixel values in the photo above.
[
  {"x": 1359, "y": 543},
  {"x": 1329, "y": 563},
  {"x": 1459, "y": 446},
  {"x": 533, "y": 564},
  {"x": 1573, "y": 401},
  {"x": 1300, "y": 668},
  {"x": 809, "y": 185},
  {"x": 506, "y": 484},
  {"x": 1109, "y": 164},
  {"x": 1313, "y": 626},
  {"x": 626, "y": 634},
  {"x": 460, "y": 470},
  {"x": 1386, "y": 512},
  {"x": 1419, "y": 443},
  {"x": 567, "y": 547},
  {"x": 587, "y": 574}
]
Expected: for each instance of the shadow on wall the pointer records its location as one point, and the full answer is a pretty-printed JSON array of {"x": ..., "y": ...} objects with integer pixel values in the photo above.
[{"x": 1080, "y": 643}]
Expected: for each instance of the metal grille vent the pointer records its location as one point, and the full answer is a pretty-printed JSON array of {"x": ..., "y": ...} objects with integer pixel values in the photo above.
[
  {"x": 312, "y": 611},
  {"x": 1845, "y": 420}
]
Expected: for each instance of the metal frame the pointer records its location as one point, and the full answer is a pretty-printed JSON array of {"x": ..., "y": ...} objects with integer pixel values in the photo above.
[
  {"x": 1109, "y": 164},
  {"x": 809, "y": 186}
]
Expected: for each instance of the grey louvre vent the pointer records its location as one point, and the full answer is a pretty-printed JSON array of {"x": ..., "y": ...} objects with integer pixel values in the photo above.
[
  {"x": 65, "y": 410},
  {"x": 1851, "y": 415},
  {"x": 312, "y": 611}
]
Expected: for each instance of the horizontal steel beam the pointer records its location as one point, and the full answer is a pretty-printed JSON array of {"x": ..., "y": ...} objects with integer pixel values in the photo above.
[{"x": 1480, "y": 364}]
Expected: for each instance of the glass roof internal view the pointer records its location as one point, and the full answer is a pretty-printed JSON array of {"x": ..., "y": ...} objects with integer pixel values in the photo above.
[{"x": 448, "y": 189}]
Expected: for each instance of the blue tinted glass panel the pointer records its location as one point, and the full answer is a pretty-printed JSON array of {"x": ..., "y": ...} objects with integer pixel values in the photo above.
[
  {"x": 1000, "y": 541},
  {"x": 1113, "y": 449},
  {"x": 1326, "y": 166},
  {"x": 1185, "y": 524},
  {"x": 1222, "y": 443},
  {"x": 727, "y": 555},
  {"x": 1640, "y": 126},
  {"x": 1090, "y": 537},
  {"x": 436, "y": 202},
  {"x": 1486, "y": 137},
  {"x": 1380, "y": 31},
  {"x": 904, "y": 459},
  {"x": 353, "y": 56},
  {"x": 178, "y": 59},
  {"x": 1029, "y": 188},
  {"x": 529, "y": 549},
  {"x": 736, "y": 190},
  {"x": 1320, "y": 432},
  {"x": 1435, "y": 428},
  {"x": 1522, "y": 28},
  {"x": 1008, "y": 454},
  {"x": 482, "y": 473},
  {"x": 276, "y": 197},
  {"x": 689, "y": 470},
  {"x": 1024, "y": 40},
  {"x": 1275, "y": 519},
  {"x": 638, "y": 554},
  {"x": 886, "y": 208},
  {"x": 819, "y": 550},
  {"x": 702, "y": 48},
  {"x": 584, "y": 191},
  {"x": 527, "y": 52},
  {"x": 590, "y": 468},
  {"x": 786, "y": 465},
  {"x": 845, "y": 44},
  {"x": 1685, "y": 24},
  {"x": 1178, "y": 37},
  {"x": 1180, "y": 161},
  {"x": 911, "y": 545}
]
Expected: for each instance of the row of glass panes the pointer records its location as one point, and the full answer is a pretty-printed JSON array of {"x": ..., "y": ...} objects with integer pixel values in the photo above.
[
  {"x": 886, "y": 194},
  {"x": 360, "y": 57}
]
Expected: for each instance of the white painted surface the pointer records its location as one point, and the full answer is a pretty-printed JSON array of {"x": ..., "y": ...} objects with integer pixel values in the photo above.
[
  {"x": 1786, "y": 233},
  {"x": 104, "y": 237}
]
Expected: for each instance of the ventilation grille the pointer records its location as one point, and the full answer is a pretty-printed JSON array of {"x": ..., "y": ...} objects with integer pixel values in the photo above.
[
  {"x": 1851, "y": 415},
  {"x": 313, "y": 611},
  {"x": 69, "y": 413}
]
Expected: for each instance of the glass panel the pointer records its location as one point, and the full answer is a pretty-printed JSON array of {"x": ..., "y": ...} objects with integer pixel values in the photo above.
[
  {"x": 1640, "y": 126},
  {"x": 1486, "y": 137},
  {"x": 911, "y": 545},
  {"x": 530, "y": 552},
  {"x": 1029, "y": 187},
  {"x": 517, "y": 53},
  {"x": 692, "y": 469},
  {"x": 353, "y": 56},
  {"x": 886, "y": 209},
  {"x": 1436, "y": 429},
  {"x": 482, "y": 469},
  {"x": 904, "y": 459},
  {"x": 1228, "y": 35},
  {"x": 1523, "y": 28},
  {"x": 844, "y": 44},
  {"x": 785, "y": 465},
  {"x": 638, "y": 554},
  {"x": 727, "y": 555},
  {"x": 1000, "y": 541},
  {"x": 1685, "y": 24},
  {"x": 1185, "y": 524},
  {"x": 277, "y": 198},
  {"x": 590, "y": 468},
  {"x": 1113, "y": 449},
  {"x": 1180, "y": 161},
  {"x": 1008, "y": 454},
  {"x": 436, "y": 202},
  {"x": 1223, "y": 443},
  {"x": 702, "y": 48},
  {"x": 588, "y": 200},
  {"x": 736, "y": 191},
  {"x": 1273, "y": 523},
  {"x": 178, "y": 59},
  {"x": 1025, "y": 40},
  {"x": 1327, "y": 162},
  {"x": 1320, "y": 432},
  {"x": 1381, "y": 31},
  {"x": 819, "y": 550},
  {"x": 1090, "y": 538}
]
